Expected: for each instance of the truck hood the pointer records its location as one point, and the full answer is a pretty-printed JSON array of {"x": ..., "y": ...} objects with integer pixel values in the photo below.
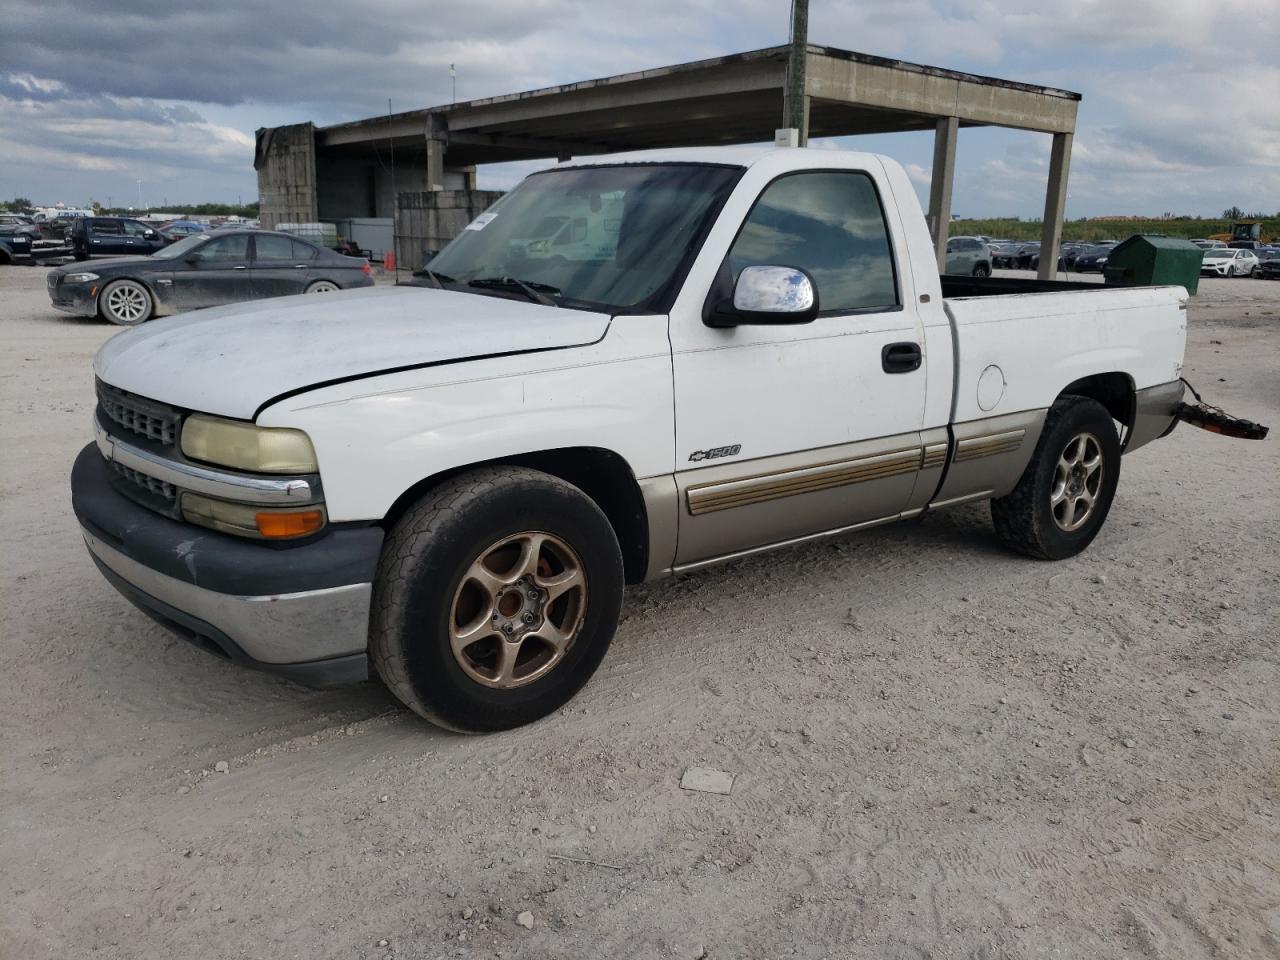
[{"x": 232, "y": 360}]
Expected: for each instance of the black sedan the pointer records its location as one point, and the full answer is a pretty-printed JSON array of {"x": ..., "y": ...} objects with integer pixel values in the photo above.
[
  {"x": 1268, "y": 267},
  {"x": 203, "y": 271},
  {"x": 1093, "y": 260}
]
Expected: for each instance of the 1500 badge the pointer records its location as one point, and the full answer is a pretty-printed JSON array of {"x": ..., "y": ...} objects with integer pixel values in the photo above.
[{"x": 715, "y": 453}]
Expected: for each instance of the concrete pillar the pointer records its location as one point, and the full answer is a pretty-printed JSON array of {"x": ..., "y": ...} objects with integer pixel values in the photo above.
[
  {"x": 944, "y": 174},
  {"x": 437, "y": 134},
  {"x": 435, "y": 164},
  {"x": 1055, "y": 206},
  {"x": 804, "y": 122}
]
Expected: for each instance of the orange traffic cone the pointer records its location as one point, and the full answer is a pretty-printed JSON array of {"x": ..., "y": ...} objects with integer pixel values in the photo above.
[{"x": 389, "y": 261}]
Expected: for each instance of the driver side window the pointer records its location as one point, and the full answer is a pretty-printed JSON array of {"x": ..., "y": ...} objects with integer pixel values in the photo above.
[{"x": 830, "y": 224}]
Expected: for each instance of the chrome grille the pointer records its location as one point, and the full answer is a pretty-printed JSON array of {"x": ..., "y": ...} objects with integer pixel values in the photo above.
[
  {"x": 151, "y": 485},
  {"x": 149, "y": 419}
]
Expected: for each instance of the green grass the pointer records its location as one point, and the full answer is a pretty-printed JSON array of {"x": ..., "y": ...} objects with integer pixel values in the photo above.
[{"x": 1104, "y": 229}]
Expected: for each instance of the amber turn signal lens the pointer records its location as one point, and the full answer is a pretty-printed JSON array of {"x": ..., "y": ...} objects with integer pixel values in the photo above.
[{"x": 299, "y": 524}]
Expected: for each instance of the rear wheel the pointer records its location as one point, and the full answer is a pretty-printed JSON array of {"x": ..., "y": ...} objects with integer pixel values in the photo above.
[
  {"x": 1064, "y": 495},
  {"x": 322, "y": 286},
  {"x": 125, "y": 302},
  {"x": 496, "y": 598},
  {"x": 982, "y": 270}
]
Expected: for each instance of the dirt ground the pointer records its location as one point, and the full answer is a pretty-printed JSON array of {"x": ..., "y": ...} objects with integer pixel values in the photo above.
[{"x": 940, "y": 749}]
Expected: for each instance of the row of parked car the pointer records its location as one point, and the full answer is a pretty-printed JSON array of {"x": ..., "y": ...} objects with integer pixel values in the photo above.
[
  {"x": 978, "y": 256},
  {"x": 22, "y": 237}
]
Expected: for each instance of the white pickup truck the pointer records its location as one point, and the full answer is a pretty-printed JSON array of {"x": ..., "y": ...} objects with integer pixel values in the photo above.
[{"x": 453, "y": 480}]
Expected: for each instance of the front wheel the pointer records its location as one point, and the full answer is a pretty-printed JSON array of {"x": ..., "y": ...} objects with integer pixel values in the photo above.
[
  {"x": 1065, "y": 493},
  {"x": 982, "y": 270},
  {"x": 125, "y": 302},
  {"x": 496, "y": 598}
]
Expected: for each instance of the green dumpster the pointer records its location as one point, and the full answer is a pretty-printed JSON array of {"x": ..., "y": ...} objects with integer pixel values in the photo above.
[{"x": 1154, "y": 261}]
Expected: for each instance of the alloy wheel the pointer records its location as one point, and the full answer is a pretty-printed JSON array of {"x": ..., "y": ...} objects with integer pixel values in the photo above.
[
  {"x": 518, "y": 610},
  {"x": 1077, "y": 479},
  {"x": 127, "y": 302}
]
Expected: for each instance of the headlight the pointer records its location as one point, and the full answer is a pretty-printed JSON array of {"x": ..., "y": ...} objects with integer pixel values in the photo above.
[
  {"x": 233, "y": 443},
  {"x": 80, "y": 277},
  {"x": 250, "y": 521}
]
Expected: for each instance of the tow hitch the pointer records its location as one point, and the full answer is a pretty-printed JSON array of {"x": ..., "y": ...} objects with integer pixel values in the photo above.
[{"x": 1214, "y": 419}]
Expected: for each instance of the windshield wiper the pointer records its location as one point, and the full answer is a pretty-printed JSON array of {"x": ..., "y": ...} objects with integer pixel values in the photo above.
[
  {"x": 537, "y": 292},
  {"x": 438, "y": 280}
]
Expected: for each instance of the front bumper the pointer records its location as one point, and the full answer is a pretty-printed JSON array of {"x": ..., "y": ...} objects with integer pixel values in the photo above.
[
  {"x": 301, "y": 611},
  {"x": 75, "y": 298}
]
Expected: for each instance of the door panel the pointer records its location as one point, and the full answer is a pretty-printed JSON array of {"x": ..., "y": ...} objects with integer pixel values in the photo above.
[
  {"x": 274, "y": 271},
  {"x": 106, "y": 238},
  {"x": 821, "y": 436},
  {"x": 216, "y": 273}
]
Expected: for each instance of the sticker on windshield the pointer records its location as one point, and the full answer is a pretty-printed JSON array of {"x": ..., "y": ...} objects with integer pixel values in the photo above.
[{"x": 480, "y": 222}]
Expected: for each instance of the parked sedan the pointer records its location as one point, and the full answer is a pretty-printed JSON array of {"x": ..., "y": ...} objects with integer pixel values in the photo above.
[
  {"x": 1003, "y": 254},
  {"x": 203, "y": 271},
  {"x": 1268, "y": 267},
  {"x": 1092, "y": 259},
  {"x": 1228, "y": 262},
  {"x": 17, "y": 223},
  {"x": 175, "y": 230}
]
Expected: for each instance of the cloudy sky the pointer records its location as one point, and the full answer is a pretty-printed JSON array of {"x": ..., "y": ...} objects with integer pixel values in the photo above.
[{"x": 1179, "y": 114}]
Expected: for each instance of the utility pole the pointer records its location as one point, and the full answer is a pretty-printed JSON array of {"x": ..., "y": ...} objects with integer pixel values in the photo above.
[
  {"x": 139, "y": 193},
  {"x": 794, "y": 98},
  {"x": 453, "y": 78}
]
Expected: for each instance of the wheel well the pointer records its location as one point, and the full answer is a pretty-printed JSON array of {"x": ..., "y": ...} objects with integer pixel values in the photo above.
[
  {"x": 601, "y": 474},
  {"x": 1115, "y": 391}
]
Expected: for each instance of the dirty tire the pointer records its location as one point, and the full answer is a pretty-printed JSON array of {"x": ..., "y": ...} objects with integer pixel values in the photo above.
[
  {"x": 126, "y": 302},
  {"x": 424, "y": 560},
  {"x": 1024, "y": 520}
]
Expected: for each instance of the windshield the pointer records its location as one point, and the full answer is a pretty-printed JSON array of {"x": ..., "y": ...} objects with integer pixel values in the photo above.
[
  {"x": 176, "y": 251},
  {"x": 614, "y": 238}
]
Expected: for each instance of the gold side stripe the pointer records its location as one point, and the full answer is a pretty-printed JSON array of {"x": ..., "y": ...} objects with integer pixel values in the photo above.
[
  {"x": 935, "y": 455},
  {"x": 989, "y": 446},
  {"x": 711, "y": 497}
]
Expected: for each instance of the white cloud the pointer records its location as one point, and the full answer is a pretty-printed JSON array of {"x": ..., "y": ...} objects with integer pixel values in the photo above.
[{"x": 1173, "y": 89}]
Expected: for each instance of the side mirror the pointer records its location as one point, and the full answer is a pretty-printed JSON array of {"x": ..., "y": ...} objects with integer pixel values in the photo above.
[
  {"x": 768, "y": 295},
  {"x": 150, "y": 234},
  {"x": 192, "y": 259}
]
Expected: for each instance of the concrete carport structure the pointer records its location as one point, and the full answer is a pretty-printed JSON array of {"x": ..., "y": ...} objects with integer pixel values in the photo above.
[{"x": 306, "y": 173}]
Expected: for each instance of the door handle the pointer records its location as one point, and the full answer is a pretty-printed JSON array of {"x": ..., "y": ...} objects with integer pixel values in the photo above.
[
  {"x": 240, "y": 266},
  {"x": 900, "y": 357},
  {"x": 299, "y": 266}
]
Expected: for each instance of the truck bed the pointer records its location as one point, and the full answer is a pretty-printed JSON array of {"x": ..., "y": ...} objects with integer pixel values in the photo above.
[{"x": 959, "y": 286}]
